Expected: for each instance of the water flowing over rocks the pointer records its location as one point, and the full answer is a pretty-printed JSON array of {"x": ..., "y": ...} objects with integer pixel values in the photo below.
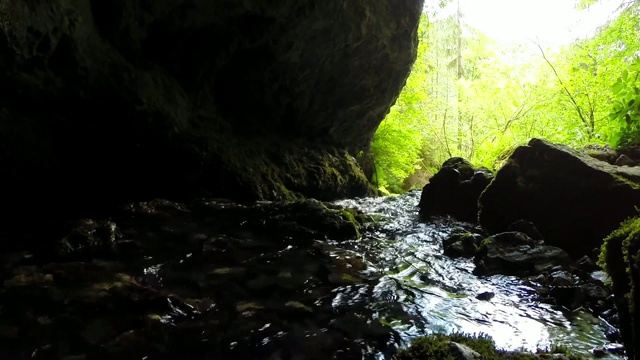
[
  {"x": 207, "y": 279},
  {"x": 574, "y": 200},
  {"x": 218, "y": 279}
]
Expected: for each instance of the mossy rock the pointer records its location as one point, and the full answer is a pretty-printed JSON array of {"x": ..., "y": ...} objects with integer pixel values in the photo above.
[
  {"x": 620, "y": 257},
  {"x": 439, "y": 346},
  {"x": 310, "y": 219},
  {"x": 271, "y": 169},
  {"x": 461, "y": 243},
  {"x": 515, "y": 253}
]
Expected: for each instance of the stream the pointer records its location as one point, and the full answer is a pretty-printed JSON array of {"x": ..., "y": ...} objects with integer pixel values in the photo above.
[
  {"x": 440, "y": 292},
  {"x": 217, "y": 279}
]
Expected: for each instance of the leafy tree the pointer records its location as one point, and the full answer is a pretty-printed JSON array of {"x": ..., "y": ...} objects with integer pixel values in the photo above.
[
  {"x": 625, "y": 109},
  {"x": 467, "y": 96},
  {"x": 396, "y": 146}
]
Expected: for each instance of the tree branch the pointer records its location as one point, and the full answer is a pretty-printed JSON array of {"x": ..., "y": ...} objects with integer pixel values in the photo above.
[{"x": 564, "y": 87}]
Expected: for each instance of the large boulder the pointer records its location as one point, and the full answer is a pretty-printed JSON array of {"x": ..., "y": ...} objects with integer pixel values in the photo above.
[
  {"x": 621, "y": 258},
  {"x": 454, "y": 190},
  {"x": 105, "y": 102},
  {"x": 574, "y": 200}
]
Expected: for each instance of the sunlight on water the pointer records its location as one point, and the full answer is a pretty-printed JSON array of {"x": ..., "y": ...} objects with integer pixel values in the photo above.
[{"x": 439, "y": 293}]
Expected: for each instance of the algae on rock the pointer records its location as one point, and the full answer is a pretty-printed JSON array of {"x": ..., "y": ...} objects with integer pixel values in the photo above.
[{"x": 620, "y": 257}]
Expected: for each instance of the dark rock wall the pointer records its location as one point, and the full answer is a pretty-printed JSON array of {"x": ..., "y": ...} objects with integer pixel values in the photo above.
[{"x": 103, "y": 101}]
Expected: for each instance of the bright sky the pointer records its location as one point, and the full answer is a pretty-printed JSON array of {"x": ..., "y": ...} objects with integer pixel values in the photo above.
[{"x": 553, "y": 22}]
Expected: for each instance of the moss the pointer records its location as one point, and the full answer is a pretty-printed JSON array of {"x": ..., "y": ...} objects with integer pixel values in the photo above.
[
  {"x": 626, "y": 230},
  {"x": 272, "y": 169},
  {"x": 626, "y": 181},
  {"x": 486, "y": 241},
  {"x": 625, "y": 236},
  {"x": 349, "y": 216},
  {"x": 438, "y": 346},
  {"x": 285, "y": 193},
  {"x": 620, "y": 258}
]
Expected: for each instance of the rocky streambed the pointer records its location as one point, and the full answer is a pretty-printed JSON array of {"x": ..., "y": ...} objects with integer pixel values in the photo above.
[{"x": 300, "y": 280}]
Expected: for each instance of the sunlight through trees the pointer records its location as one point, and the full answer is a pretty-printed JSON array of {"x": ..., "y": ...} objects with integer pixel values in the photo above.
[{"x": 470, "y": 96}]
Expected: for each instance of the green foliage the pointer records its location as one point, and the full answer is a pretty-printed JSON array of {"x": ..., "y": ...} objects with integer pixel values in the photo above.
[
  {"x": 600, "y": 76},
  {"x": 397, "y": 143},
  {"x": 625, "y": 109},
  {"x": 629, "y": 231},
  {"x": 468, "y": 96},
  {"x": 396, "y": 149}
]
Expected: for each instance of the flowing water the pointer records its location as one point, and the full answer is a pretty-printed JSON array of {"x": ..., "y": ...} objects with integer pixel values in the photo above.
[
  {"x": 229, "y": 281},
  {"x": 440, "y": 293}
]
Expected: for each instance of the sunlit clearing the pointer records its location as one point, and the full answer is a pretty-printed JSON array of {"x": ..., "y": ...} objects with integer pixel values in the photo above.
[{"x": 551, "y": 22}]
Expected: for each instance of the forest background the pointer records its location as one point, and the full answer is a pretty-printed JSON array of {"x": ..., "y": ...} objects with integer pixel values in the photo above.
[{"x": 471, "y": 96}]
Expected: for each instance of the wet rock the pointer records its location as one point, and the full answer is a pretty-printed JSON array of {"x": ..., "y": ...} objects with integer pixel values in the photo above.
[
  {"x": 595, "y": 293},
  {"x": 218, "y": 282},
  {"x": 632, "y": 151},
  {"x": 574, "y": 200},
  {"x": 573, "y": 289},
  {"x": 128, "y": 249},
  {"x": 157, "y": 209},
  {"x": 586, "y": 264},
  {"x": 599, "y": 352},
  {"x": 568, "y": 296},
  {"x": 461, "y": 243},
  {"x": 624, "y": 160},
  {"x": 562, "y": 278},
  {"x": 526, "y": 227},
  {"x": 454, "y": 190},
  {"x": 463, "y": 352},
  {"x": 83, "y": 305},
  {"x": 611, "y": 333},
  {"x": 514, "y": 253},
  {"x": 89, "y": 239},
  {"x": 485, "y": 296},
  {"x": 602, "y": 153},
  {"x": 615, "y": 348},
  {"x": 308, "y": 219}
]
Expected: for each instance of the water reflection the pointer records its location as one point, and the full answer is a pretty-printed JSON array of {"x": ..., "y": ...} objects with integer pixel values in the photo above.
[{"x": 439, "y": 293}]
